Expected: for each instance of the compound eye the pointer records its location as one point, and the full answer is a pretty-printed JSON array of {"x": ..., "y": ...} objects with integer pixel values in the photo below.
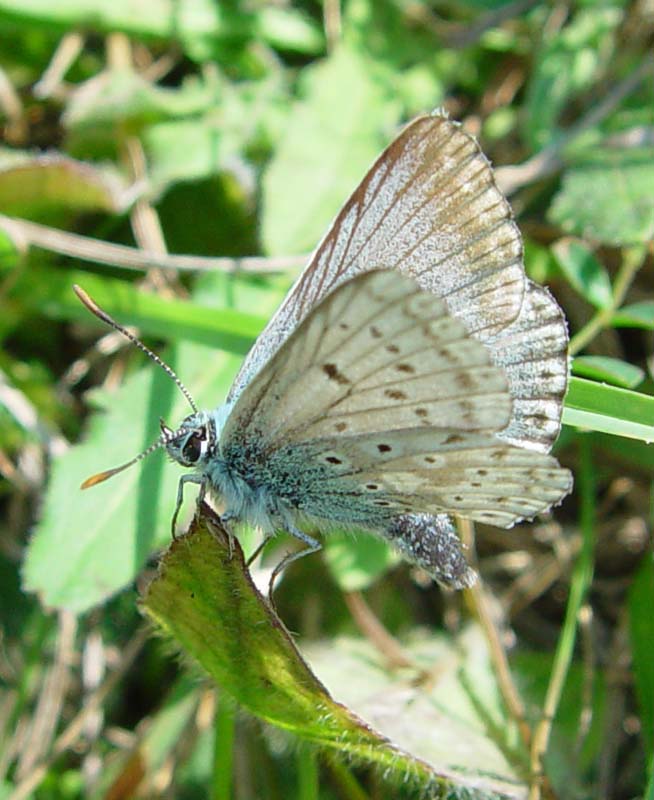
[{"x": 192, "y": 449}]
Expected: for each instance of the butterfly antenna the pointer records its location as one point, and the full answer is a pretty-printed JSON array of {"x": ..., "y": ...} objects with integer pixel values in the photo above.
[
  {"x": 94, "y": 308},
  {"x": 108, "y": 473}
]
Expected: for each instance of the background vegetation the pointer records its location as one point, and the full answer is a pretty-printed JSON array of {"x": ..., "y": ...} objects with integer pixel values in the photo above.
[{"x": 200, "y": 149}]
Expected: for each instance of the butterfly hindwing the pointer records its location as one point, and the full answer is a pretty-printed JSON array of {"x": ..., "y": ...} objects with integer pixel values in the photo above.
[
  {"x": 443, "y": 471},
  {"x": 533, "y": 351}
]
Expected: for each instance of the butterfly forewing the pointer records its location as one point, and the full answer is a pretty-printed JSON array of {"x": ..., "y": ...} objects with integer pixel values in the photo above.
[
  {"x": 377, "y": 354},
  {"x": 429, "y": 208}
]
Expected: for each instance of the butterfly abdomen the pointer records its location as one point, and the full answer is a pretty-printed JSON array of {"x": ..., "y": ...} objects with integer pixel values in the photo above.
[{"x": 431, "y": 542}]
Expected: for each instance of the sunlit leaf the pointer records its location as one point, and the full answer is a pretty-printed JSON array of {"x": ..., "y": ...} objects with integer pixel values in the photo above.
[
  {"x": 33, "y": 185},
  {"x": 584, "y": 271},
  {"x": 290, "y": 28},
  {"x": 611, "y": 370},
  {"x": 341, "y": 118},
  {"x": 355, "y": 562},
  {"x": 607, "y": 197},
  {"x": 609, "y": 409},
  {"x": 434, "y": 733},
  {"x": 636, "y": 315},
  {"x": 569, "y": 58}
]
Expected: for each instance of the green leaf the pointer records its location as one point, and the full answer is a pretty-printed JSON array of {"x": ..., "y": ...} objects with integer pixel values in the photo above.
[
  {"x": 609, "y": 409},
  {"x": 290, "y": 29},
  {"x": 568, "y": 61},
  {"x": 641, "y": 625},
  {"x": 355, "y": 562},
  {"x": 185, "y": 150},
  {"x": 168, "y": 318},
  {"x": 452, "y": 719},
  {"x": 584, "y": 271},
  {"x": 123, "y": 97},
  {"x": 607, "y": 197},
  {"x": 629, "y": 452},
  {"x": 331, "y": 138},
  {"x": 198, "y": 25},
  {"x": 611, "y": 370},
  {"x": 637, "y": 315},
  {"x": 10, "y": 250},
  {"x": 88, "y": 545},
  {"x": 33, "y": 185},
  {"x": 205, "y": 599}
]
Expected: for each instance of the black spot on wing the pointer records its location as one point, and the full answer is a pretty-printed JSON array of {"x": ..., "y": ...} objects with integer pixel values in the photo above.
[{"x": 334, "y": 374}]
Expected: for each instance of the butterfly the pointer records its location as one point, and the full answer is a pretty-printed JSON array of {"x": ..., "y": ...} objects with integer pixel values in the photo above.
[{"x": 412, "y": 373}]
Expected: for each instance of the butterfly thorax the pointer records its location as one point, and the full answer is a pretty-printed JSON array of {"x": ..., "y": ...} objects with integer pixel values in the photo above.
[
  {"x": 239, "y": 479},
  {"x": 270, "y": 485}
]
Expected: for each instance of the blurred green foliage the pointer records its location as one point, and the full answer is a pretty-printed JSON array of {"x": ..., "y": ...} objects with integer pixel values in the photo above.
[{"x": 237, "y": 129}]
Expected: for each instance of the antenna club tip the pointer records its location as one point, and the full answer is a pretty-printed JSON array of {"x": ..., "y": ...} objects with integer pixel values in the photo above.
[
  {"x": 94, "y": 480},
  {"x": 80, "y": 292},
  {"x": 87, "y": 301}
]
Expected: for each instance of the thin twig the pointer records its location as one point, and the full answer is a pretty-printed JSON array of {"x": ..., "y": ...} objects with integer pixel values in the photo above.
[
  {"x": 373, "y": 630},
  {"x": 331, "y": 14},
  {"x": 581, "y": 580},
  {"x": 543, "y": 571},
  {"x": 66, "y": 53},
  {"x": 508, "y": 689},
  {"x": 146, "y": 225},
  {"x": 588, "y": 662},
  {"x": 10, "y": 102},
  {"x": 32, "y": 234},
  {"x": 51, "y": 697},
  {"x": 482, "y": 609},
  {"x": 549, "y": 160}
]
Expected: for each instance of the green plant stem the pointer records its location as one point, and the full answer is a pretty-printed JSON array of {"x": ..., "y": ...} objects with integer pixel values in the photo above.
[
  {"x": 631, "y": 262},
  {"x": 581, "y": 579},
  {"x": 307, "y": 773},
  {"x": 223, "y": 748},
  {"x": 346, "y": 783},
  {"x": 649, "y": 791}
]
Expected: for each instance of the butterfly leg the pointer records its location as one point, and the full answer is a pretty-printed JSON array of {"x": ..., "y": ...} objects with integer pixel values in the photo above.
[
  {"x": 312, "y": 546},
  {"x": 259, "y": 548},
  {"x": 187, "y": 478},
  {"x": 229, "y": 519}
]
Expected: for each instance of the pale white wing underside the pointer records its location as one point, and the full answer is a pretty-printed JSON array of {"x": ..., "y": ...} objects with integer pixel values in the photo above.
[
  {"x": 378, "y": 354},
  {"x": 444, "y": 471},
  {"x": 430, "y": 208},
  {"x": 533, "y": 351},
  {"x": 383, "y": 385}
]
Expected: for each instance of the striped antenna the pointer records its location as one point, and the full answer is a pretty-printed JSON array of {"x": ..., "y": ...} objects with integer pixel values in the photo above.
[
  {"x": 94, "y": 480},
  {"x": 94, "y": 308}
]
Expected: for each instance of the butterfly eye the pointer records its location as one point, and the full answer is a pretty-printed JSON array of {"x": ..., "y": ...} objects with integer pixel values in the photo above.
[{"x": 193, "y": 448}]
